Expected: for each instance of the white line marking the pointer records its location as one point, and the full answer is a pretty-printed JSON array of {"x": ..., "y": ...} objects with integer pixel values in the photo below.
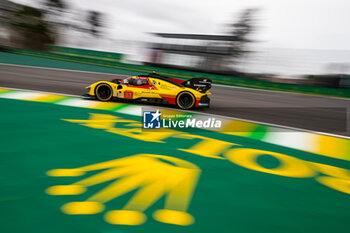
[
  {"x": 21, "y": 95},
  {"x": 131, "y": 110},
  {"x": 44, "y": 92},
  {"x": 297, "y": 140},
  {"x": 77, "y": 102},
  {"x": 209, "y": 114}
]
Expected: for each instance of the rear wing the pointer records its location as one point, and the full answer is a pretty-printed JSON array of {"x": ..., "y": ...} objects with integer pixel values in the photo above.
[{"x": 199, "y": 84}]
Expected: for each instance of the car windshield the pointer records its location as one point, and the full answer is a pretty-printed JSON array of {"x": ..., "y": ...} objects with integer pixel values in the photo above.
[{"x": 135, "y": 81}]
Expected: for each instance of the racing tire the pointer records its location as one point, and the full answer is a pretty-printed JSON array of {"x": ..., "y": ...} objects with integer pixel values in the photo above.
[
  {"x": 103, "y": 92},
  {"x": 185, "y": 100}
]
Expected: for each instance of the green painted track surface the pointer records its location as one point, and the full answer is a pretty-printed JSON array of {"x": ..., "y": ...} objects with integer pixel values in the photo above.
[{"x": 228, "y": 198}]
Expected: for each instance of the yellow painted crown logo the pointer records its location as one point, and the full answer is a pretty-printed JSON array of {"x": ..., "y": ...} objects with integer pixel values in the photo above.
[{"x": 153, "y": 176}]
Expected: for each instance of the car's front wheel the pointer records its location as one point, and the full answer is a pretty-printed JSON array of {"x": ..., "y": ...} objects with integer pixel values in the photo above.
[
  {"x": 185, "y": 100},
  {"x": 103, "y": 92}
]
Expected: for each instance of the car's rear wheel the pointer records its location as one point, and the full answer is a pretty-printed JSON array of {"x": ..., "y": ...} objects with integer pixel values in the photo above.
[
  {"x": 103, "y": 92},
  {"x": 185, "y": 100}
]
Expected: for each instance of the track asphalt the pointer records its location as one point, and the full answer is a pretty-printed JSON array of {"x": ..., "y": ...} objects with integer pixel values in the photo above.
[{"x": 318, "y": 113}]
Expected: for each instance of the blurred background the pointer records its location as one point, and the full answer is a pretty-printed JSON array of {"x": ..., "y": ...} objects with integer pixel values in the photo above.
[{"x": 291, "y": 42}]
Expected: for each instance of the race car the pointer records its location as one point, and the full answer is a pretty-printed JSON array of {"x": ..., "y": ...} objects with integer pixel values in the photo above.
[{"x": 153, "y": 88}]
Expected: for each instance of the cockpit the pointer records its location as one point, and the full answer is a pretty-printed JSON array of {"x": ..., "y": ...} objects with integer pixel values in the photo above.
[{"x": 135, "y": 81}]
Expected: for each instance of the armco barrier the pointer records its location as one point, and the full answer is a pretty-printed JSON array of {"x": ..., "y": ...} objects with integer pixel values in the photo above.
[
  {"x": 84, "y": 53},
  {"x": 218, "y": 79}
]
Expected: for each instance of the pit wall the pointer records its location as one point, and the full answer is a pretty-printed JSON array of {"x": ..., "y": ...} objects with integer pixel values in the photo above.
[
  {"x": 113, "y": 60},
  {"x": 330, "y": 146}
]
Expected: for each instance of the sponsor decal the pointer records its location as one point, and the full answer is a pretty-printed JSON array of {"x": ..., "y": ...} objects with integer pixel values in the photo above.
[
  {"x": 155, "y": 177},
  {"x": 128, "y": 94}
]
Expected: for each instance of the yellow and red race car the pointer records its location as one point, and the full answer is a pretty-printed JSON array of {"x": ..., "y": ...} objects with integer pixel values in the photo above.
[{"x": 154, "y": 88}]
